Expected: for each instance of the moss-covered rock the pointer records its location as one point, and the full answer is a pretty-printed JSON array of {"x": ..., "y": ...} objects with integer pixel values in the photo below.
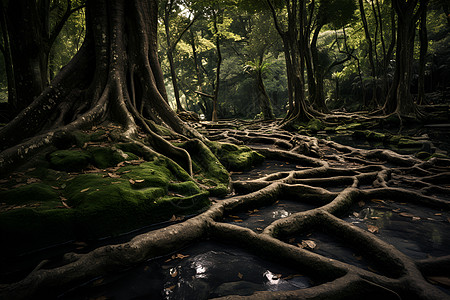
[{"x": 69, "y": 160}]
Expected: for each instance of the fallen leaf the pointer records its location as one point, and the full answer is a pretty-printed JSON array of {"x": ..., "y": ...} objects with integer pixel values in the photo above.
[
  {"x": 32, "y": 180},
  {"x": 57, "y": 188},
  {"x": 291, "y": 240},
  {"x": 355, "y": 214},
  {"x": 396, "y": 210},
  {"x": 240, "y": 275},
  {"x": 308, "y": 244},
  {"x": 407, "y": 215},
  {"x": 131, "y": 181},
  {"x": 139, "y": 180},
  {"x": 238, "y": 220},
  {"x": 84, "y": 190},
  {"x": 259, "y": 228},
  {"x": 438, "y": 214},
  {"x": 115, "y": 182},
  {"x": 372, "y": 228},
  {"x": 415, "y": 218},
  {"x": 181, "y": 256},
  {"x": 234, "y": 217},
  {"x": 112, "y": 175}
]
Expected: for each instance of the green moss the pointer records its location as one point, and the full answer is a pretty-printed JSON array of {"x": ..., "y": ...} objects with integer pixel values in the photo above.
[
  {"x": 69, "y": 160},
  {"x": 205, "y": 162},
  {"x": 408, "y": 143},
  {"x": 395, "y": 139},
  {"x": 187, "y": 188},
  {"x": 98, "y": 136},
  {"x": 351, "y": 126},
  {"x": 375, "y": 136},
  {"x": 423, "y": 155},
  {"x": 315, "y": 125},
  {"x": 235, "y": 158},
  {"x": 32, "y": 193},
  {"x": 104, "y": 157}
]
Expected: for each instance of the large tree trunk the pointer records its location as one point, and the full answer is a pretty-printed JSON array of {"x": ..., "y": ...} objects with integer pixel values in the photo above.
[
  {"x": 298, "y": 109},
  {"x": 400, "y": 99},
  {"x": 114, "y": 77},
  {"x": 27, "y": 45}
]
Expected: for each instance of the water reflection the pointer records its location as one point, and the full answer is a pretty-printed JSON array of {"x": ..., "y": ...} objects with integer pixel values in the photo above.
[{"x": 279, "y": 214}]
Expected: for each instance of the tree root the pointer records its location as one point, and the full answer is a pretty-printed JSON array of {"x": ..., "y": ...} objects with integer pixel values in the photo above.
[{"x": 372, "y": 176}]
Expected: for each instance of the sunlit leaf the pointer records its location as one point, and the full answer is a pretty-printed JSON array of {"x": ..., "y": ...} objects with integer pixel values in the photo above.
[{"x": 372, "y": 229}]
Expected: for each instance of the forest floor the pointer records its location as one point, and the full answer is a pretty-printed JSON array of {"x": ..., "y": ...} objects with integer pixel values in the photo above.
[{"x": 317, "y": 219}]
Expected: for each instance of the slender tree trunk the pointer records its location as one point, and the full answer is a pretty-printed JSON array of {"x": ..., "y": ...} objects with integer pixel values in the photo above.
[
  {"x": 12, "y": 97},
  {"x": 423, "y": 38},
  {"x": 170, "y": 49},
  {"x": 219, "y": 63},
  {"x": 263, "y": 97},
  {"x": 369, "y": 50}
]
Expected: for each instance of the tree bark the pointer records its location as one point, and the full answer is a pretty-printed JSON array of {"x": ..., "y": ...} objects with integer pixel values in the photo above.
[
  {"x": 423, "y": 38},
  {"x": 112, "y": 78},
  {"x": 400, "y": 99},
  {"x": 369, "y": 50},
  {"x": 263, "y": 97}
]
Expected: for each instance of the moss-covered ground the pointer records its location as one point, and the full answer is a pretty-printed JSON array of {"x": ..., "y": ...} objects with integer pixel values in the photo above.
[{"x": 90, "y": 186}]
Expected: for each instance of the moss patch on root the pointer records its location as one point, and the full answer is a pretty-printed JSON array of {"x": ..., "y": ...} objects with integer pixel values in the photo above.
[
  {"x": 208, "y": 170},
  {"x": 235, "y": 158}
]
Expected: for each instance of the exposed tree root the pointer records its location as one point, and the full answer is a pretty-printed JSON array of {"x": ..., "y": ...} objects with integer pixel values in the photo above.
[{"x": 358, "y": 175}]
